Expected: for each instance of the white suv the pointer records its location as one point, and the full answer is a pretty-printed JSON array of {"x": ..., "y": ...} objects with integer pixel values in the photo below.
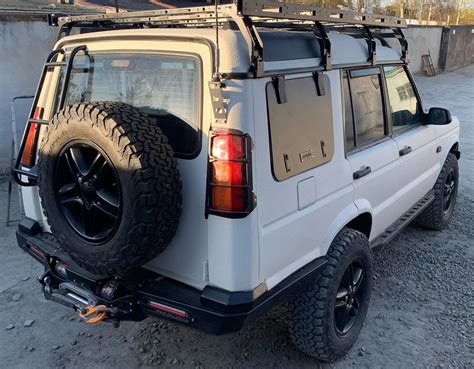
[{"x": 202, "y": 166}]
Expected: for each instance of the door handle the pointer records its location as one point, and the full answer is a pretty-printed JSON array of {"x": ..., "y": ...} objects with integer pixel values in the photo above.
[
  {"x": 405, "y": 151},
  {"x": 361, "y": 173}
]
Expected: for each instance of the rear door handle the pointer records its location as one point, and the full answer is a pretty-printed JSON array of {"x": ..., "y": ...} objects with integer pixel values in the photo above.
[
  {"x": 405, "y": 151},
  {"x": 361, "y": 173}
]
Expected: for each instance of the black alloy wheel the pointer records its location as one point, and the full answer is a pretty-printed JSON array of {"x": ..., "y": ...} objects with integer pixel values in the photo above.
[
  {"x": 88, "y": 191},
  {"x": 449, "y": 189},
  {"x": 349, "y": 297}
]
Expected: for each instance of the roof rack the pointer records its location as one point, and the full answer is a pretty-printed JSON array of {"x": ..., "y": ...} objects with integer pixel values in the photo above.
[{"x": 250, "y": 16}]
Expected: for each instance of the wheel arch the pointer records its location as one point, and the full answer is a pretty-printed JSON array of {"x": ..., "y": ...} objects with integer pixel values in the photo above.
[
  {"x": 361, "y": 223},
  {"x": 455, "y": 150},
  {"x": 352, "y": 217}
]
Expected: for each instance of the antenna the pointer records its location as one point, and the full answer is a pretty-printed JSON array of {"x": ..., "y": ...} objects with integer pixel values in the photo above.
[
  {"x": 217, "y": 74},
  {"x": 116, "y": 6}
]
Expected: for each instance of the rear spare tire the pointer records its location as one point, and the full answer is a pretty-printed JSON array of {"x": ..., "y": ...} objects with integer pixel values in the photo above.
[{"x": 109, "y": 185}]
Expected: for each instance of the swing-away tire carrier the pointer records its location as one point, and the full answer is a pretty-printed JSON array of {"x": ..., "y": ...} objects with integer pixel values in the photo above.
[{"x": 142, "y": 293}]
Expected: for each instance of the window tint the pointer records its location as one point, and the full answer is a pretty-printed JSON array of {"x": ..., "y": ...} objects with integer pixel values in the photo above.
[
  {"x": 301, "y": 129},
  {"x": 367, "y": 105},
  {"x": 404, "y": 105},
  {"x": 348, "y": 119},
  {"x": 164, "y": 87}
]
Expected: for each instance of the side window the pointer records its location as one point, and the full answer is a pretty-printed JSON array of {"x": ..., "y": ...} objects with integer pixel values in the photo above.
[
  {"x": 404, "y": 105},
  {"x": 365, "y": 90},
  {"x": 301, "y": 126}
]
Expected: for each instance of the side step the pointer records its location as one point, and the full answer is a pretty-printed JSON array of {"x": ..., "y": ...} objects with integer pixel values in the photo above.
[{"x": 403, "y": 221}]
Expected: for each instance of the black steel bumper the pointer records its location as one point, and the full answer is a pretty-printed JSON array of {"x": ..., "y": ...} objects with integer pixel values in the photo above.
[{"x": 143, "y": 294}]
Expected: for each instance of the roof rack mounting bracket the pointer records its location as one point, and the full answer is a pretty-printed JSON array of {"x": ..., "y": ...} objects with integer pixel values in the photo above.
[
  {"x": 324, "y": 44},
  {"x": 397, "y": 31},
  {"x": 371, "y": 45},
  {"x": 218, "y": 103},
  {"x": 257, "y": 48}
]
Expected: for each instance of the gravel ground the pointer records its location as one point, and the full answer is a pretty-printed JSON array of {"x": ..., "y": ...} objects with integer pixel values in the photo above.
[{"x": 421, "y": 313}]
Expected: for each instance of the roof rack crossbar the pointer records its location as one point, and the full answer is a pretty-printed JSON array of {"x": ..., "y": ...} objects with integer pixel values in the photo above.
[
  {"x": 303, "y": 12},
  {"x": 248, "y": 15}
]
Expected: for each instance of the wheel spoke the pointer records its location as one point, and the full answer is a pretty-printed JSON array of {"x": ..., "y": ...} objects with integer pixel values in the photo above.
[
  {"x": 86, "y": 220},
  {"x": 357, "y": 278},
  {"x": 108, "y": 197},
  {"x": 344, "y": 317},
  {"x": 341, "y": 293},
  {"x": 97, "y": 166},
  {"x": 67, "y": 188},
  {"x": 74, "y": 201},
  {"x": 76, "y": 162},
  {"x": 105, "y": 207}
]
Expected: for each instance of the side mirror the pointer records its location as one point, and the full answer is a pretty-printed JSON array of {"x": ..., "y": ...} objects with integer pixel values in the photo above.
[{"x": 438, "y": 116}]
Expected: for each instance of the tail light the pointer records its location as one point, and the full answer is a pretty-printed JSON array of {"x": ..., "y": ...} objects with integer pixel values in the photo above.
[
  {"x": 28, "y": 156},
  {"x": 168, "y": 310},
  {"x": 38, "y": 254},
  {"x": 230, "y": 174}
]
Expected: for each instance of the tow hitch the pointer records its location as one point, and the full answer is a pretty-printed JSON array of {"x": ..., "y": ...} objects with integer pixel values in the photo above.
[{"x": 92, "y": 308}]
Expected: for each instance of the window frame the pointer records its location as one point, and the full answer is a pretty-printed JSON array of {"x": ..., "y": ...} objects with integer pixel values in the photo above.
[
  {"x": 365, "y": 71},
  {"x": 165, "y": 53},
  {"x": 407, "y": 128}
]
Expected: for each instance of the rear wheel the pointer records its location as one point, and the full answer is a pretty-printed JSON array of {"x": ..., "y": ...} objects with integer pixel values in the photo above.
[
  {"x": 326, "y": 319},
  {"x": 440, "y": 212}
]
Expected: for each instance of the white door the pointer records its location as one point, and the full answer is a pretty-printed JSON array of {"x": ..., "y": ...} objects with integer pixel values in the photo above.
[
  {"x": 419, "y": 163},
  {"x": 372, "y": 154}
]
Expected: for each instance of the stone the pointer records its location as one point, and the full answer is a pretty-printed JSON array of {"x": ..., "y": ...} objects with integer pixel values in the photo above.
[{"x": 28, "y": 323}]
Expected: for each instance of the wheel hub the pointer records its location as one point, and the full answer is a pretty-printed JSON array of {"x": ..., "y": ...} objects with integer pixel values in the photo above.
[
  {"x": 88, "y": 191},
  {"x": 449, "y": 189},
  {"x": 349, "y": 297}
]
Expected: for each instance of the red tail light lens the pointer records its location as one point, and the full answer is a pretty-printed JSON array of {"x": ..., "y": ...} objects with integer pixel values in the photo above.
[
  {"x": 230, "y": 184},
  {"x": 31, "y": 142},
  {"x": 228, "y": 147},
  {"x": 228, "y": 173}
]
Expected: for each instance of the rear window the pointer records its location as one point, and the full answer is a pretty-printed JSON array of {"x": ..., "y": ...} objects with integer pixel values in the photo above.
[{"x": 164, "y": 87}]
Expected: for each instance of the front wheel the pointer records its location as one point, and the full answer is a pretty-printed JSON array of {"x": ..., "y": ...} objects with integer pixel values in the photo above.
[
  {"x": 439, "y": 213},
  {"x": 326, "y": 318}
]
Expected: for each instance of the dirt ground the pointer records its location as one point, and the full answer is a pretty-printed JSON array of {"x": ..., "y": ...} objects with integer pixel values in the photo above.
[{"x": 421, "y": 313}]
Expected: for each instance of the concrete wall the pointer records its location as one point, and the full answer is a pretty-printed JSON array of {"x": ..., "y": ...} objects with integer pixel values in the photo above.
[
  {"x": 24, "y": 44},
  {"x": 421, "y": 41},
  {"x": 457, "y": 47}
]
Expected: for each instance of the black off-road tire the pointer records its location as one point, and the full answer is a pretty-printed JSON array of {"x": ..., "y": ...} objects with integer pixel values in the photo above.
[
  {"x": 311, "y": 315},
  {"x": 148, "y": 176},
  {"x": 434, "y": 216}
]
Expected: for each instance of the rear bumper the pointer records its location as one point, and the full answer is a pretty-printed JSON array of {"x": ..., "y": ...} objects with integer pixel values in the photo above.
[{"x": 143, "y": 294}]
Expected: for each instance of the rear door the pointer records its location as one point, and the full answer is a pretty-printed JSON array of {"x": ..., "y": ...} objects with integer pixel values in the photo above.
[
  {"x": 372, "y": 154},
  {"x": 159, "y": 79},
  {"x": 419, "y": 164}
]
